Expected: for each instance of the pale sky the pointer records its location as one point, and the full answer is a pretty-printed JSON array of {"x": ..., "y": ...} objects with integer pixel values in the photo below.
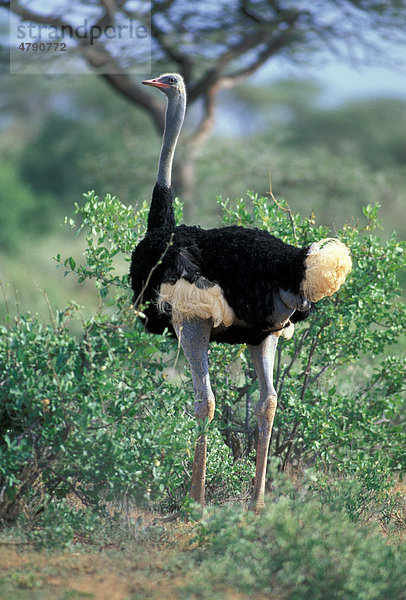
[{"x": 341, "y": 82}]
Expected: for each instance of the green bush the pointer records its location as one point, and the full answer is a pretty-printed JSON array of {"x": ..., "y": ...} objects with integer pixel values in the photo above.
[
  {"x": 85, "y": 415},
  {"x": 299, "y": 549},
  {"x": 104, "y": 415}
]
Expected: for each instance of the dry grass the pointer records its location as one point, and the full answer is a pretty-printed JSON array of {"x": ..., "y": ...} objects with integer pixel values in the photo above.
[
  {"x": 137, "y": 571},
  {"x": 145, "y": 569}
]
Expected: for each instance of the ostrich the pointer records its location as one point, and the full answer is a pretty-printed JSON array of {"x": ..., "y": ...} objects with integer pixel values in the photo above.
[{"x": 230, "y": 284}]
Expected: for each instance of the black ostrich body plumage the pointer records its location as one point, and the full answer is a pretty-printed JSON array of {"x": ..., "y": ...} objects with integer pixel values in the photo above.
[{"x": 250, "y": 265}]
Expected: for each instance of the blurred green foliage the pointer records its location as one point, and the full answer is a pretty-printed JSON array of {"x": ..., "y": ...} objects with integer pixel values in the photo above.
[
  {"x": 19, "y": 209},
  {"x": 332, "y": 161}
]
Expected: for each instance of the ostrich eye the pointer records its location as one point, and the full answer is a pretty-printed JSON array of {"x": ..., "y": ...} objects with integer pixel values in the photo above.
[{"x": 172, "y": 80}]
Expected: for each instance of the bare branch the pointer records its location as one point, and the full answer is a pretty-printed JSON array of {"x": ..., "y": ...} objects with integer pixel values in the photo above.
[
  {"x": 272, "y": 48},
  {"x": 206, "y": 124},
  {"x": 211, "y": 79},
  {"x": 163, "y": 6},
  {"x": 248, "y": 12},
  {"x": 28, "y": 15},
  {"x": 180, "y": 58},
  {"x": 109, "y": 14}
]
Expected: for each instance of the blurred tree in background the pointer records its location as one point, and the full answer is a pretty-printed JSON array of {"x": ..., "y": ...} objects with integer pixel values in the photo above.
[{"x": 217, "y": 45}]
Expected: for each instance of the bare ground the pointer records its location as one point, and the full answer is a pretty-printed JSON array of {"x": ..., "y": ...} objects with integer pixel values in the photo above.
[{"x": 140, "y": 571}]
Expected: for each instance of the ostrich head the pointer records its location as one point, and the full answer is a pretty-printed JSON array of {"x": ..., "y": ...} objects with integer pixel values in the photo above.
[{"x": 171, "y": 84}]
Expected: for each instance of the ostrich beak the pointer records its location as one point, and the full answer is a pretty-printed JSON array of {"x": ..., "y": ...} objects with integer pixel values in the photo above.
[{"x": 155, "y": 83}]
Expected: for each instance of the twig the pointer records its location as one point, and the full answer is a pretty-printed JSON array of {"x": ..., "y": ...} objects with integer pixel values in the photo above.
[
  {"x": 287, "y": 209},
  {"x": 16, "y": 543},
  {"x": 175, "y": 364},
  {"x": 307, "y": 378},
  {"x": 140, "y": 295},
  {"x": 48, "y": 303},
  {"x": 294, "y": 358},
  {"x": 5, "y": 297}
]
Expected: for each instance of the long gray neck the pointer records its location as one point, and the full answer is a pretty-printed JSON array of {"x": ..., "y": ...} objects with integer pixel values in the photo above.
[{"x": 175, "y": 114}]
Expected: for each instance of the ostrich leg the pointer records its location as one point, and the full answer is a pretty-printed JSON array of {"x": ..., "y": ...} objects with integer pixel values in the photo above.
[
  {"x": 263, "y": 357},
  {"x": 194, "y": 338}
]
